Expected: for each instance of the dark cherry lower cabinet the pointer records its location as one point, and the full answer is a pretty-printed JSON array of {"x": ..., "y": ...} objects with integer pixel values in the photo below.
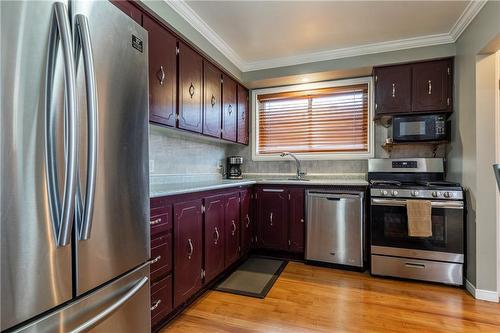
[
  {"x": 188, "y": 250},
  {"x": 272, "y": 215},
  {"x": 162, "y": 73},
  {"x": 247, "y": 225},
  {"x": 296, "y": 219},
  {"x": 190, "y": 89},
  {"x": 232, "y": 228},
  {"x": 214, "y": 236}
]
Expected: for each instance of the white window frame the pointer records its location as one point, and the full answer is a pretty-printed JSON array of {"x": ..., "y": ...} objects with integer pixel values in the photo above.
[{"x": 314, "y": 156}]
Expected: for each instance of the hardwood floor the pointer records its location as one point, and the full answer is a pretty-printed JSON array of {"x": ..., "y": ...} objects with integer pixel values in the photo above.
[{"x": 314, "y": 299}]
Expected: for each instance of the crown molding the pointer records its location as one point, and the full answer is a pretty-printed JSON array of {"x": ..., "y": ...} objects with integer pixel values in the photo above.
[
  {"x": 187, "y": 13},
  {"x": 472, "y": 9},
  {"x": 396, "y": 45}
]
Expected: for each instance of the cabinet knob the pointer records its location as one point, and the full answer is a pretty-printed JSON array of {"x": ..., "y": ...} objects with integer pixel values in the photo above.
[
  {"x": 191, "y": 90},
  {"x": 161, "y": 75}
]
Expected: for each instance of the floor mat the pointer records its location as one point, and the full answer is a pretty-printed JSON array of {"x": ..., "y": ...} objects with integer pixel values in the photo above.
[{"x": 254, "y": 277}]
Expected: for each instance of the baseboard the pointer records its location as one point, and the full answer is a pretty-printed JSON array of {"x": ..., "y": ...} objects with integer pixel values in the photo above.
[{"x": 481, "y": 294}]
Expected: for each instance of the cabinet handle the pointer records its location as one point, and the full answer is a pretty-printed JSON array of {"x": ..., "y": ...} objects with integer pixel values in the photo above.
[
  {"x": 155, "y": 260},
  {"x": 393, "y": 90},
  {"x": 242, "y": 115},
  {"x": 234, "y": 228},
  {"x": 413, "y": 265},
  {"x": 217, "y": 236},
  {"x": 161, "y": 75},
  {"x": 191, "y": 90},
  {"x": 191, "y": 248},
  {"x": 429, "y": 91},
  {"x": 271, "y": 219},
  {"x": 156, "y": 304},
  {"x": 248, "y": 221},
  {"x": 212, "y": 101},
  {"x": 155, "y": 221},
  {"x": 301, "y": 220},
  {"x": 230, "y": 109}
]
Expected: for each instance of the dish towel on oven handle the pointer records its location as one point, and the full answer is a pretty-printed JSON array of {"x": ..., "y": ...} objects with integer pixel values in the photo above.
[{"x": 419, "y": 218}]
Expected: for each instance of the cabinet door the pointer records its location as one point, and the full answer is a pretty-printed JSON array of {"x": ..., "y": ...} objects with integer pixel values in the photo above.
[
  {"x": 296, "y": 225},
  {"x": 214, "y": 236},
  {"x": 212, "y": 111},
  {"x": 246, "y": 221},
  {"x": 242, "y": 115},
  {"x": 162, "y": 73},
  {"x": 272, "y": 218},
  {"x": 229, "y": 108},
  {"x": 232, "y": 226},
  {"x": 190, "y": 89},
  {"x": 129, "y": 9},
  {"x": 393, "y": 89},
  {"x": 188, "y": 250},
  {"x": 431, "y": 86}
]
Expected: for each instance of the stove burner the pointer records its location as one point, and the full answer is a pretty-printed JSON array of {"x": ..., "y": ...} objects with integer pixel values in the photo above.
[
  {"x": 438, "y": 183},
  {"x": 385, "y": 182}
]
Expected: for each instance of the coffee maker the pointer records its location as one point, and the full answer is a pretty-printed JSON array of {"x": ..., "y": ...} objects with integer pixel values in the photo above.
[{"x": 234, "y": 167}]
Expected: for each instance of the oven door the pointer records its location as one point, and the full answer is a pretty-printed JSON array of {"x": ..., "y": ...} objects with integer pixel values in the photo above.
[{"x": 389, "y": 226}]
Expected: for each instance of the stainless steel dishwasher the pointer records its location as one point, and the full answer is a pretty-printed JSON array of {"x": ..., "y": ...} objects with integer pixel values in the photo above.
[{"x": 335, "y": 227}]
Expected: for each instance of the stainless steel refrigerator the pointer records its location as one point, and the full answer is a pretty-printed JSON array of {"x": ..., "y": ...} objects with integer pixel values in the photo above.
[{"x": 74, "y": 171}]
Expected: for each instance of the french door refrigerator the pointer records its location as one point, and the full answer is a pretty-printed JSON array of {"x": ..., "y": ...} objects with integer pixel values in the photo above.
[{"x": 74, "y": 172}]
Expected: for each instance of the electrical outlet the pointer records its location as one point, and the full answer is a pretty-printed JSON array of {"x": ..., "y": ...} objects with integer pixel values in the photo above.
[{"x": 151, "y": 165}]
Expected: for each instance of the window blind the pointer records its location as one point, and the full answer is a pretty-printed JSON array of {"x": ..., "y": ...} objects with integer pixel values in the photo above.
[{"x": 324, "y": 120}]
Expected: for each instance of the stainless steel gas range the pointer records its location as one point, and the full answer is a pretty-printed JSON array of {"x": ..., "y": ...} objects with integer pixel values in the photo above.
[{"x": 438, "y": 258}]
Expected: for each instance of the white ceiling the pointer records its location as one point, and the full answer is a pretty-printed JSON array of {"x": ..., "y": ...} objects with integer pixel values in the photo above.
[{"x": 264, "y": 34}]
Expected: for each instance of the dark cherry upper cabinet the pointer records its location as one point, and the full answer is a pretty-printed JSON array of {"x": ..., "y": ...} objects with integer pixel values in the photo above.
[
  {"x": 214, "y": 236},
  {"x": 232, "y": 225},
  {"x": 392, "y": 89},
  {"x": 431, "y": 86},
  {"x": 273, "y": 219},
  {"x": 242, "y": 115},
  {"x": 212, "y": 111},
  {"x": 162, "y": 73},
  {"x": 229, "y": 110},
  {"x": 296, "y": 225},
  {"x": 129, "y": 9},
  {"x": 190, "y": 89},
  {"x": 188, "y": 250},
  {"x": 247, "y": 224}
]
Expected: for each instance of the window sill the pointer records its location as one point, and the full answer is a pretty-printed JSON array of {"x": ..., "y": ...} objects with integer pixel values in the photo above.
[{"x": 315, "y": 157}]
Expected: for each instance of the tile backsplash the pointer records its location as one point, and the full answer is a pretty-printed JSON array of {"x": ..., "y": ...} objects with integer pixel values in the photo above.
[{"x": 177, "y": 156}]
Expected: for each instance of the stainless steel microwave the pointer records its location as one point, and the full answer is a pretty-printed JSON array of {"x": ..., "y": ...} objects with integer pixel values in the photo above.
[{"x": 433, "y": 127}]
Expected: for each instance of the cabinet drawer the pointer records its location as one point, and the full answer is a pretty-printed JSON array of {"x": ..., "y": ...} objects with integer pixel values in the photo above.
[
  {"x": 161, "y": 222},
  {"x": 161, "y": 299},
  {"x": 161, "y": 256}
]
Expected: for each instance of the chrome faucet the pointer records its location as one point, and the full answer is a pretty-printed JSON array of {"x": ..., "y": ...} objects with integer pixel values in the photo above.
[{"x": 299, "y": 174}]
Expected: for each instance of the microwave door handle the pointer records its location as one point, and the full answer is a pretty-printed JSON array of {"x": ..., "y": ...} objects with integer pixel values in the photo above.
[
  {"x": 83, "y": 40},
  {"x": 61, "y": 213}
]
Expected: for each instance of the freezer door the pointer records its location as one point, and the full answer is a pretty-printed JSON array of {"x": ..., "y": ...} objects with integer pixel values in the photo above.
[
  {"x": 122, "y": 306},
  {"x": 35, "y": 249},
  {"x": 116, "y": 237}
]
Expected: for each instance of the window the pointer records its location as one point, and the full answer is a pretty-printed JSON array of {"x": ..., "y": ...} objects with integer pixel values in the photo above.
[{"x": 329, "y": 120}]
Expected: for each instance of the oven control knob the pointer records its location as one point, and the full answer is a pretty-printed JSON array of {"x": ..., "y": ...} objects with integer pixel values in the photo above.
[
  {"x": 394, "y": 193},
  {"x": 447, "y": 194},
  {"x": 436, "y": 194},
  {"x": 384, "y": 192},
  {"x": 414, "y": 193}
]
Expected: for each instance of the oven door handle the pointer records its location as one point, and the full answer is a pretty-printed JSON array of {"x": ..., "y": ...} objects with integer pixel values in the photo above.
[{"x": 434, "y": 204}]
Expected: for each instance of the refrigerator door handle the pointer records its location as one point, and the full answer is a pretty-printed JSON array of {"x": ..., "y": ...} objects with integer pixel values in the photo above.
[
  {"x": 112, "y": 308},
  {"x": 61, "y": 214},
  {"x": 85, "y": 207}
]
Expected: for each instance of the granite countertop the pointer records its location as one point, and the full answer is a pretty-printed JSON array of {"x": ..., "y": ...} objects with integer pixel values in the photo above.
[{"x": 167, "y": 189}]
